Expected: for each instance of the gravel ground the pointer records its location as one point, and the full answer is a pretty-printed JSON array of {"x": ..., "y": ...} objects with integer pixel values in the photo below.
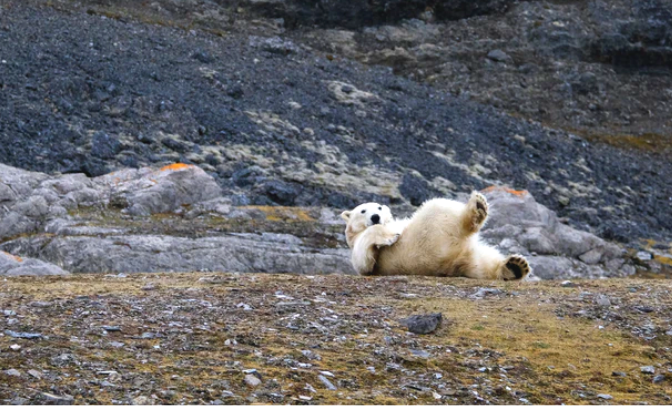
[{"x": 227, "y": 338}]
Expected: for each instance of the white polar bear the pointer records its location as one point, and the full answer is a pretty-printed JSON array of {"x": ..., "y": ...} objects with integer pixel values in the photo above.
[{"x": 440, "y": 239}]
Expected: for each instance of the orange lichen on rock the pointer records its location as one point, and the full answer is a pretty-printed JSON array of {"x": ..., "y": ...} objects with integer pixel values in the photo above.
[
  {"x": 14, "y": 257},
  {"x": 514, "y": 192},
  {"x": 176, "y": 167}
]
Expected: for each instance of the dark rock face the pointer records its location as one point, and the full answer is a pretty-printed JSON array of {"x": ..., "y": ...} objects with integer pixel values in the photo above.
[
  {"x": 643, "y": 41},
  {"x": 416, "y": 190},
  {"x": 359, "y": 13}
]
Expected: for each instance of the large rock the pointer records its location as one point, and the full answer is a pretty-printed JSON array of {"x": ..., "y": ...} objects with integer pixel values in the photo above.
[
  {"x": 12, "y": 265},
  {"x": 29, "y": 200},
  {"x": 267, "y": 253},
  {"x": 46, "y": 219}
]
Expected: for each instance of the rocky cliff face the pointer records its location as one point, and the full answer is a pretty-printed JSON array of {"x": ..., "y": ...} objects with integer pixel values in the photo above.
[{"x": 285, "y": 104}]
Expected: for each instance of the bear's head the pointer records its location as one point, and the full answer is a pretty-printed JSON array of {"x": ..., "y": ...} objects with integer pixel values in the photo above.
[{"x": 363, "y": 216}]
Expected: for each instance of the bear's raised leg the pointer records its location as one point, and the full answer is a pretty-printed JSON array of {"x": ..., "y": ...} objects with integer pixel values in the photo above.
[
  {"x": 515, "y": 267},
  {"x": 475, "y": 213},
  {"x": 365, "y": 251}
]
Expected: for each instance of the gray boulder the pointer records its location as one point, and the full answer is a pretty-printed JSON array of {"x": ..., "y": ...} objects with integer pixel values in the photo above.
[
  {"x": 12, "y": 265},
  {"x": 518, "y": 224}
]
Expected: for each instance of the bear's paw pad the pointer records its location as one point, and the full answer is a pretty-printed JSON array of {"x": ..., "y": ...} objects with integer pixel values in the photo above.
[{"x": 517, "y": 267}]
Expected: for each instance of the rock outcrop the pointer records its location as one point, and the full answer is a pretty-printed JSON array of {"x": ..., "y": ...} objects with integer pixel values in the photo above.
[
  {"x": 518, "y": 224},
  {"x": 175, "y": 219},
  {"x": 12, "y": 265}
]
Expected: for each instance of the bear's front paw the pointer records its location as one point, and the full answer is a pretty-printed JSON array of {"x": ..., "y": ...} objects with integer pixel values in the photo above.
[
  {"x": 515, "y": 267},
  {"x": 388, "y": 241}
]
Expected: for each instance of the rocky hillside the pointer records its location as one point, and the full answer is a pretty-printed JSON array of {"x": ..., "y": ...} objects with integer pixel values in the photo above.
[
  {"x": 252, "y": 97},
  {"x": 239, "y": 339}
]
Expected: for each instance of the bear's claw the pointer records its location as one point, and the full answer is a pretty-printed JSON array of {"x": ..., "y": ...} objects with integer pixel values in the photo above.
[{"x": 517, "y": 267}]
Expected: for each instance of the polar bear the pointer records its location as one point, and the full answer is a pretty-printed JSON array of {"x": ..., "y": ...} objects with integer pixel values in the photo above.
[{"x": 440, "y": 239}]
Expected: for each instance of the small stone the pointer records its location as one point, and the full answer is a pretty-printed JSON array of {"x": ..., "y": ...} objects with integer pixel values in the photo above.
[
  {"x": 227, "y": 394},
  {"x": 649, "y": 370},
  {"x": 619, "y": 373},
  {"x": 568, "y": 284},
  {"x": 15, "y": 347},
  {"x": 422, "y": 323},
  {"x": 149, "y": 287},
  {"x": 327, "y": 373},
  {"x": 252, "y": 380},
  {"x": 603, "y": 301},
  {"x": 644, "y": 256},
  {"x": 327, "y": 383},
  {"x": 658, "y": 378},
  {"x": 498, "y": 55},
  {"x": 605, "y": 396},
  {"x": 111, "y": 328},
  {"x": 421, "y": 353},
  {"x": 51, "y": 399},
  {"x": 483, "y": 292},
  {"x": 35, "y": 374},
  {"x": 13, "y": 372}
]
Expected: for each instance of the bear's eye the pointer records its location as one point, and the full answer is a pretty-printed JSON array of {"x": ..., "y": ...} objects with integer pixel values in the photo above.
[
  {"x": 380, "y": 208},
  {"x": 363, "y": 211}
]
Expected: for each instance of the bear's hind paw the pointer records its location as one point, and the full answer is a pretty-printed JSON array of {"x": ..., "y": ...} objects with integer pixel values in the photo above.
[
  {"x": 515, "y": 267},
  {"x": 478, "y": 210}
]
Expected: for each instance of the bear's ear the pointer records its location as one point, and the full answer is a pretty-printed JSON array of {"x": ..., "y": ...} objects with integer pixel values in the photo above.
[{"x": 346, "y": 215}]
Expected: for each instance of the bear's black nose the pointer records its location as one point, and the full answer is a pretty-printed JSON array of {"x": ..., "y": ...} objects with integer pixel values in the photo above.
[{"x": 375, "y": 219}]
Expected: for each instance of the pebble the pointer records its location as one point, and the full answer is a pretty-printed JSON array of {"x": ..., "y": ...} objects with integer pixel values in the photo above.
[
  {"x": 498, "y": 55},
  {"x": 644, "y": 256},
  {"x": 327, "y": 373},
  {"x": 13, "y": 372},
  {"x": 649, "y": 370},
  {"x": 227, "y": 394},
  {"x": 605, "y": 396},
  {"x": 111, "y": 328},
  {"x": 658, "y": 378},
  {"x": 483, "y": 292},
  {"x": 568, "y": 284},
  {"x": 618, "y": 373},
  {"x": 421, "y": 353},
  {"x": 252, "y": 380},
  {"x": 603, "y": 301},
  {"x": 327, "y": 383},
  {"x": 35, "y": 374},
  {"x": 15, "y": 347},
  {"x": 51, "y": 399}
]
